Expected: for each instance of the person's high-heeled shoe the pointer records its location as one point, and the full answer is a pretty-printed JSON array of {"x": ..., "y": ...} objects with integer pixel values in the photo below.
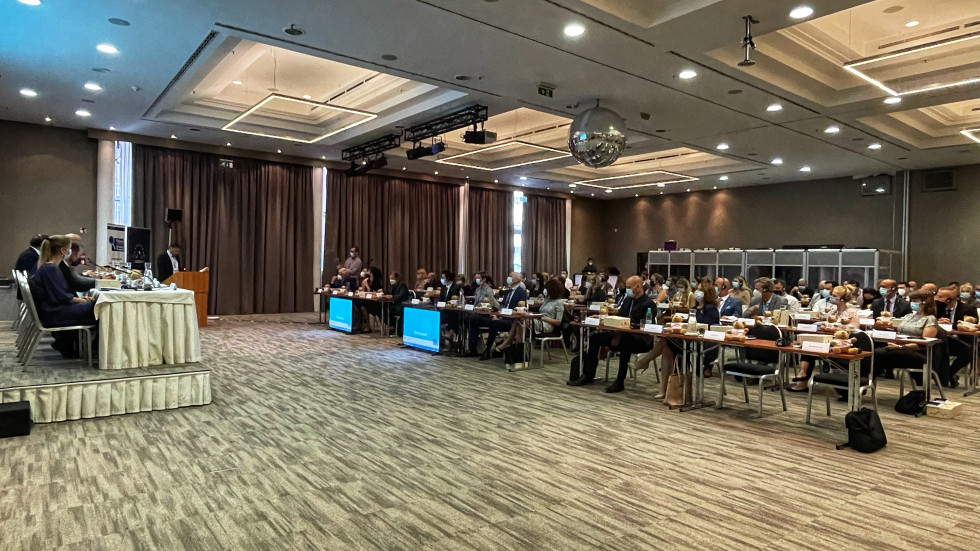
[{"x": 637, "y": 369}]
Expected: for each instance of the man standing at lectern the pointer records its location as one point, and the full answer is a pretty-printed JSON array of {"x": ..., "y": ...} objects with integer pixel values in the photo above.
[{"x": 168, "y": 263}]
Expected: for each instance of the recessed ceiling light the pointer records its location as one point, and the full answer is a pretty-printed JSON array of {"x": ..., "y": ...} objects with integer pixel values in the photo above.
[
  {"x": 574, "y": 29},
  {"x": 805, "y": 168},
  {"x": 112, "y": 128},
  {"x": 636, "y": 195},
  {"x": 661, "y": 185},
  {"x": 238, "y": 82},
  {"x": 593, "y": 194},
  {"x": 307, "y": 96},
  {"x": 30, "y": 2},
  {"x": 324, "y": 157},
  {"x": 777, "y": 161},
  {"x": 28, "y": 92},
  {"x": 875, "y": 146},
  {"x": 523, "y": 177},
  {"x": 173, "y": 136},
  {"x": 688, "y": 189},
  {"x": 107, "y": 49},
  {"x": 724, "y": 178},
  {"x": 661, "y": 193},
  {"x": 467, "y": 177},
  {"x": 47, "y": 119},
  {"x": 437, "y": 173},
  {"x": 83, "y": 113},
  {"x": 608, "y": 191},
  {"x": 280, "y": 151},
  {"x": 92, "y": 86},
  {"x": 774, "y": 107},
  {"x": 572, "y": 185},
  {"x": 722, "y": 146},
  {"x": 801, "y": 12},
  {"x": 831, "y": 130},
  {"x": 687, "y": 74},
  {"x": 880, "y": 189},
  {"x": 228, "y": 144},
  {"x": 496, "y": 181},
  {"x": 716, "y": 187},
  {"x": 893, "y": 100},
  {"x": 911, "y": 24},
  {"x": 403, "y": 168}
]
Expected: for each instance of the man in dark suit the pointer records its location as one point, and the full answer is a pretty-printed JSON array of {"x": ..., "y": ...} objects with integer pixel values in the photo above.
[
  {"x": 168, "y": 262},
  {"x": 949, "y": 309},
  {"x": 890, "y": 300},
  {"x": 516, "y": 295},
  {"x": 28, "y": 260}
]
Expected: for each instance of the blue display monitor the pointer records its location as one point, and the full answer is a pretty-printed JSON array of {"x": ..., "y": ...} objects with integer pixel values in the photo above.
[
  {"x": 421, "y": 329},
  {"x": 341, "y": 314}
]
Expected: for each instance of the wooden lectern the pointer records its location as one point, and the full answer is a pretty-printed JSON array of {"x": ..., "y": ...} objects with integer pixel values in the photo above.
[{"x": 199, "y": 282}]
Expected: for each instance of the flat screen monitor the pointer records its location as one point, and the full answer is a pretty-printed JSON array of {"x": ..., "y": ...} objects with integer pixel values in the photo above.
[
  {"x": 578, "y": 280},
  {"x": 421, "y": 328},
  {"x": 138, "y": 245},
  {"x": 341, "y": 314}
]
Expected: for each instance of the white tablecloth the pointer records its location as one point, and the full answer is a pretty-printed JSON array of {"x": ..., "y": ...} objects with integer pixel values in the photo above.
[{"x": 144, "y": 328}]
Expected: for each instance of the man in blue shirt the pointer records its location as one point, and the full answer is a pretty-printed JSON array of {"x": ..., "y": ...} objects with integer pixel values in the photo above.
[
  {"x": 728, "y": 305},
  {"x": 516, "y": 295}
]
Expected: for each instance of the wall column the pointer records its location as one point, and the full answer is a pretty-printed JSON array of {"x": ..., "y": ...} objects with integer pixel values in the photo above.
[{"x": 104, "y": 195}]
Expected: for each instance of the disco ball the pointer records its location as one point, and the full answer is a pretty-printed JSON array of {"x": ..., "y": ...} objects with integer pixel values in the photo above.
[{"x": 597, "y": 137}]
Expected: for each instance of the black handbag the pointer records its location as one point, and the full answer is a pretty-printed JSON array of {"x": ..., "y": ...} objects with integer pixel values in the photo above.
[
  {"x": 912, "y": 403},
  {"x": 575, "y": 369},
  {"x": 514, "y": 354},
  {"x": 864, "y": 431}
]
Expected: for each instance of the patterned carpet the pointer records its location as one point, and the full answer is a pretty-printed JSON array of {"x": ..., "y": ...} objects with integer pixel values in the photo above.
[{"x": 320, "y": 440}]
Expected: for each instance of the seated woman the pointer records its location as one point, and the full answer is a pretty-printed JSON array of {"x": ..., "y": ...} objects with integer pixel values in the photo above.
[
  {"x": 740, "y": 290},
  {"x": 684, "y": 297},
  {"x": 421, "y": 279},
  {"x": 535, "y": 286},
  {"x": 57, "y": 305},
  {"x": 591, "y": 290},
  {"x": 372, "y": 283},
  {"x": 868, "y": 296},
  {"x": 399, "y": 296},
  {"x": 706, "y": 311},
  {"x": 839, "y": 304},
  {"x": 551, "y": 312},
  {"x": 968, "y": 295},
  {"x": 921, "y": 322},
  {"x": 478, "y": 322}
]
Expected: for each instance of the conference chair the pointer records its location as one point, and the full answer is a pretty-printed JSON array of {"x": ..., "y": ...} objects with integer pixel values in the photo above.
[
  {"x": 761, "y": 366},
  {"x": 837, "y": 377},
  {"x": 545, "y": 342},
  {"x": 940, "y": 353},
  {"x": 22, "y": 309},
  {"x": 38, "y": 329}
]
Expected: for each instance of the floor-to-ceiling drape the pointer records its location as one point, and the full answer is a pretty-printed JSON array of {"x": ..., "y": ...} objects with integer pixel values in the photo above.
[
  {"x": 399, "y": 225},
  {"x": 490, "y": 232},
  {"x": 543, "y": 235},
  {"x": 252, "y": 225}
]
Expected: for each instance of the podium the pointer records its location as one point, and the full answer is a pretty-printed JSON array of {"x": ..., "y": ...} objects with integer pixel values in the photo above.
[{"x": 200, "y": 283}]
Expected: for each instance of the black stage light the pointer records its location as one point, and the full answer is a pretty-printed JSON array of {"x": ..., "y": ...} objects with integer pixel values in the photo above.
[
  {"x": 425, "y": 151},
  {"x": 479, "y": 136},
  {"x": 359, "y": 168}
]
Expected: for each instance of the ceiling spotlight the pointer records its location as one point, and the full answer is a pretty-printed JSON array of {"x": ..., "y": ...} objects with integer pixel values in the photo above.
[
  {"x": 687, "y": 74},
  {"x": 893, "y": 100},
  {"x": 403, "y": 168},
  {"x": 875, "y": 146},
  {"x": 831, "y": 130},
  {"x": 83, "y": 113},
  {"x": 238, "y": 82},
  {"x": 112, "y": 128},
  {"x": 574, "y": 29},
  {"x": 307, "y": 96},
  {"x": 747, "y": 43},
  {"x": 608, "y": 191},
  {"x": 572, "y": 185},
  {"x": 688, "y": 189},
  {"x": 293, "y": 31},
  {"x": 716, "y": 187},
  {"x": 774, "y": 107},
  {"x": 437, "y": 173},
  {"x": 30, "y": 2},
  {"x": 661, "y": 193},
  {"x": 324, "y": 157},
  {"x": 228, "y": 144},
  {"x": 47, "y": 119},
  {"x": 92, "y": 86},
  {"x": 280, "y": 151},
  {"x": 805, "y": 168},
  {"x": 523, "y": 178},
  {"x": 358, "y": 169},
  {"x": 911, "y": 24},
  {"x": 593, "y": 194},
  {"x": 661, "y": 185},
  {"x": 724, "y": 178},
  {"x": 173, "y": 136},
  {"x": 28, "y": 92},
  {"x": 722, "y": 146},
  {"x": 801, "y": 12},
  {"x": 777, "y": 161},
  {"x": 496, "y": 181},
  {"x": 420, "y": 151},
  {"x": 107, "y": 49}
]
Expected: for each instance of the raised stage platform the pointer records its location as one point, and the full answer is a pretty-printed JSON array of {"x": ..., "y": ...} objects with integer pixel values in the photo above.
[{"x": 67, "y": 390}]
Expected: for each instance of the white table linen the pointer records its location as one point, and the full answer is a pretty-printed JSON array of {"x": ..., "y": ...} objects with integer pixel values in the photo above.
[{"x": 145, "y": 328}]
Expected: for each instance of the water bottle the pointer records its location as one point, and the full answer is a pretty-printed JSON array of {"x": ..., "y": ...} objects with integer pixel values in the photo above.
[
  {"x": 692, "y": 321},
  {"x": 649, "y": 318}
]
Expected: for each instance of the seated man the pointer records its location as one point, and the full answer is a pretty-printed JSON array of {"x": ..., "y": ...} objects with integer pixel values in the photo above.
[
  {"x": 792, "y": 303},
  {"x": 478, "y": 322},
  {"x": 889, "y": 301},
  {"x": 635, "y": 307},
  {"x": 730, "y": 306},
  {"x": 515, "y": 296},
  {"x": 950, "y": 309},
  {"x": 823, "y": 300},
  {"x": 764, "y": 299}
]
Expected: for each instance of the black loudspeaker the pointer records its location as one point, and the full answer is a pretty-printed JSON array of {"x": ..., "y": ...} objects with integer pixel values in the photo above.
[
  {"x": 15, "y": 419},
  {"x": 175, "y": 215}
]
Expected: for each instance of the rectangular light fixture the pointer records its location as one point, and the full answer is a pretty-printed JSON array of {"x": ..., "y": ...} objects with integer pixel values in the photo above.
[
  {"x": 853, "y": 66},
  {"x": 367, "y": 116},
  {"x": 558, "y": 154},
  {"x": 972, "y": 133},
  {"x": 677, "y": 178}
]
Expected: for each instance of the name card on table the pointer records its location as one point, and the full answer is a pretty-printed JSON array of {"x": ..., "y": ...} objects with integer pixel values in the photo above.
[
  {"x": 714, "y": 335},
  {"x": 468, "y": 307},
  {"x": 506, "y": 311},
  {"x": 865, "y": 313},
  {"x": 749, "y": 322},
  {"x": 946, "y": 326},
  {"x": 864, "y": 322},
  {"x": 807, "y": 327},
  {"x": 592, "y": 321},
  {"x": 809, "y": 346},
  {"x": 662, "y": 306},
  {"x": 802, "y": 317},
  {"x": 876, "y": 334},
  {"x": 350, "y": 293},
  {"x": 595, "y": 307},
  {"x": 416, "y": 301},
  {"x": 440, "y": 304},
  {"x": 653, "y": 328},
  {"x": 369, "y": 295}
]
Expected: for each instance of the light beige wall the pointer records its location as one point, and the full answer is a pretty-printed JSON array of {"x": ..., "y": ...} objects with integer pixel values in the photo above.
[
  {"x": 944, "y": 230},
  {"x": 587, "y": 233},
  {"x": 47, "y": 185}
]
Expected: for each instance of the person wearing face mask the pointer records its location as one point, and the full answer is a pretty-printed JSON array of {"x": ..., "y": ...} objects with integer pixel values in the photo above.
[
  {"x": 635, "y": 307},
  {"x": 589, "y": 267},
  {"x": 968, "y": 295},
  {"x": 951, "y": 309},
  {"x": 868, "y": 295},
  {"x": 552, "y": 310},
  {"x": 903, "y": 289},
  {"x": 801, "y": 289},
  {"x": 421, "y": 279},
  {"x": 515, "y": 294},
  {"x": 76, "y": 282},
  {"x": 839, "y": 301},
  {"x": 824, "y": 299},
  {"x": 792, "y": 303},
  {"x": 372, "y": 282},
  {"x": 566, "y": 280},
  {"x": 764, "y": 299},
  {"x": 57, "y": 305},
  {"x": 684, "y": 297},
  {"x": 921, "y": 322},
  {"x": 535, "y": 286},
  {"x": 889, "y": 301},
  {"x": 706, "y": 311},
  {"x": 448, "y": 288},
  {"x": 730, "y": 306},
  {"x": 399, "y": 296},
  {"x": 741, "y": 291},
  {"x": 591, "y": 291},
  {"x": 477, "y": 321},
  {"x": 353, "y": 262},
  {"x": 657, "y": 289}
]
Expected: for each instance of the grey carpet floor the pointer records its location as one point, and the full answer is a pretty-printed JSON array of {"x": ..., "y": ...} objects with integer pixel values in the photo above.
[{"x": 319, "y": 440}]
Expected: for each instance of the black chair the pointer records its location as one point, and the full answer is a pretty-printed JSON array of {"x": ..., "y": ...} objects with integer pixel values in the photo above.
[
  {"x": 758, "y": 365},
  {"x": 836, "y": 378}
]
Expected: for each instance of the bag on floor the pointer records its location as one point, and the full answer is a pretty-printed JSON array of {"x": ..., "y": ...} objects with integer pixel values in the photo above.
[
  {"x": 676, "y": 396},
  {"x": 575, "y": 369},
  {"x": 514, "y": 354},
  {"x": 864, "y": 431},
  {"x": 912, "y": 403}
]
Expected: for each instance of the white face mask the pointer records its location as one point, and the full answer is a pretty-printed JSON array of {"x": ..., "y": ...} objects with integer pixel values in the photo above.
[
  {"x": 352, "y": 255},
  {"x": 901, "y": 292},
  {"x": 510, "y": 280},
  {"x": 66, "y": 252},
  {"x": 756, "y": 293},
  {"x": 545, "y": 292},
  {"x": 391, "y": 281},
  {"x": 736, "y": 285}
]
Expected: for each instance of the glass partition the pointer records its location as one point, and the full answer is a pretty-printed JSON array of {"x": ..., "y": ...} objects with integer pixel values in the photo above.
[
  {"x": 823, "y": 265},
  {"x": 860, "y": 265},
  {"x": 731, "y": 263},
  {"x": 758, "y": 263},
  {"x": 658, "y": 262},
  {"x": 680, "y": 263},
  {"x": 789, "y": 265},
  {"x": 706, "y": 263}
]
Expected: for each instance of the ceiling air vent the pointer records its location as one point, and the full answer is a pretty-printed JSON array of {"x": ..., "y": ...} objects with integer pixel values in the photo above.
[{"x": 938, "y": 180}]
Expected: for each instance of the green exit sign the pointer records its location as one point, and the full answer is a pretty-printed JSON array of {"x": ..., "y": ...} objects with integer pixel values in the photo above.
[{"x": 546, "y": 91}]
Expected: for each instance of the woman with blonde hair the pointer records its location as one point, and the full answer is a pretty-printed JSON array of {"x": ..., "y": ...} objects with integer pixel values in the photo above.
[
  {"x": 740, "y": 290},
  {"x": 56, "y": 304}
]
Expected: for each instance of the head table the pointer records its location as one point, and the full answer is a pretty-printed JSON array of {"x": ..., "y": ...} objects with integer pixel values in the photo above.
[{"x": 146, "y": 328}]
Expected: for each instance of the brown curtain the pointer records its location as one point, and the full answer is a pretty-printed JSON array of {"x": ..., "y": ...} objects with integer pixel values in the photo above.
[
  {"x": 543, "y": 237},
  {"x": 252, "y": 225},
  {"x": 490, "y": 232},
  {"x": 399, "y": 225}
]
